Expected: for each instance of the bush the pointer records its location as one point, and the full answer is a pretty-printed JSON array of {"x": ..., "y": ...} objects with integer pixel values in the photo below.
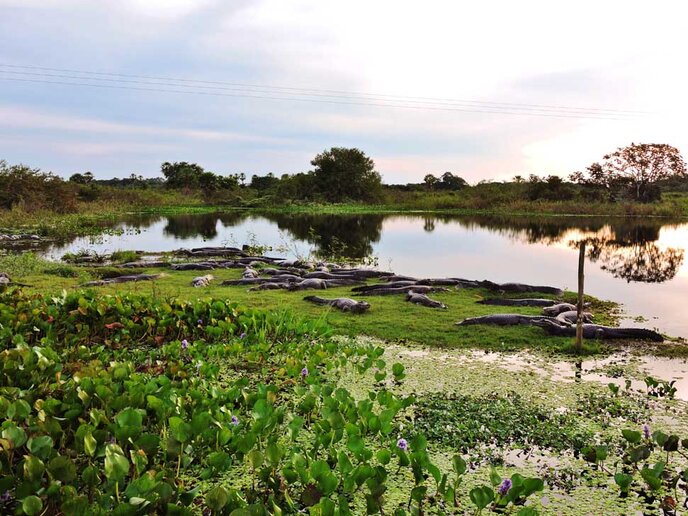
[{"x": 33, "y": 190}]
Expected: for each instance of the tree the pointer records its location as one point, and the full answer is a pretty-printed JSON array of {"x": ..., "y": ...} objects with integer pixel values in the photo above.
[
  {"x": 451, "y": 182},
  {"x": 551, "y": 188},
  {"x": 638, "y": 167},
  {"x": 263, "y": 183},
  {"x": 430, "y": 181},
  {"x": 82, "y": 179},
  {"x": 182, "y": 174},
  {"x": 346, "y": 174}
]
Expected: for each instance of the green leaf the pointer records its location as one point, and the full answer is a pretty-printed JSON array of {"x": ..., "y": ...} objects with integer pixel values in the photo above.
[
  {"x": 623, "y": 481},
  {"x": 116, "y": 464},
  {"x": 217, "y": 498},
  {"x": 33, "y": 468},
  {"x": 398, "y": 370},
  {"x": 40, "y": 446},
  {"x": 531, "y": 485},
  {"x": 129, "y": 417},
  {"x": 651, "y": 478},
  {"x": 180, "y": 429},
  {"x": 328, "y": 483},
  {"x": 660, "y": 437},
  {"x": 32, "y": 505},
  {"x": 481, "y": 496},
  {"x": 62, "y": 468},
  {"x": 601, "y": 453},
  {"x": 459, "y": 465},
  {"x": 383, "y": 456},
  {"x": 90, "y": 444},
  {"x": 632, "y": 436},
  {"x": 15, "y": 435},
  {"x": 256, "y": 459},
  {"x": 671, "y": 444}
]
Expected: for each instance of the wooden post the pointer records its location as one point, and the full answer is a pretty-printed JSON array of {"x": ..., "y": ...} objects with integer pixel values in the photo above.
[{"x": 581, "y": 290}]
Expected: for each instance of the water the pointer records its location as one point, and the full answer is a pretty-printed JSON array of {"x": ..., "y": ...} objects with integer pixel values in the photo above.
[{"x": 639, "y": 263}]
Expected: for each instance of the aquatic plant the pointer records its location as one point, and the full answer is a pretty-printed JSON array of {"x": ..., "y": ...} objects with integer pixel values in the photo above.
[{"x": 102, "y": 410}]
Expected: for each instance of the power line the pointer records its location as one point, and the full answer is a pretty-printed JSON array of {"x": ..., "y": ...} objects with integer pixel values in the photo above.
[
  {"x": 308, "y": 92},
  {"x": 237, "y": 89},
  {"x": 312, "y": 100}
]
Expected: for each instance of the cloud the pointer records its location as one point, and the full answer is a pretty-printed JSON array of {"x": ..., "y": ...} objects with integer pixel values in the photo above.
[
  {"x": 28, "y": 118},
  {"x": 494, "y": 52}
]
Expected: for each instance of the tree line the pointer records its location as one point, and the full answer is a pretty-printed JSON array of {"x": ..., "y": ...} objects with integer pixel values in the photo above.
[{"x": 638, "y": 173}]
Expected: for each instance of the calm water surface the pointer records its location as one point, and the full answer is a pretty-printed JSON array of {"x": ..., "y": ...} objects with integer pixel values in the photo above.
[{"x": 639, "y": 263}]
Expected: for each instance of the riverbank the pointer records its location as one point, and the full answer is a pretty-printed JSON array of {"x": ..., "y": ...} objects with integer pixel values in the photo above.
[
  {"x": 390, "y": 319},
  {"x": 92, "y": 218}
]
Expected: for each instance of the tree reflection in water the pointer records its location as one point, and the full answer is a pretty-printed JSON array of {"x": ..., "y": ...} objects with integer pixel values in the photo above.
[
  {"x": 625, "y": 250},
  {"x": 187, "y": 226},
  {"x": 346, "y": 236},
  {"x": 631, "y": 253}
]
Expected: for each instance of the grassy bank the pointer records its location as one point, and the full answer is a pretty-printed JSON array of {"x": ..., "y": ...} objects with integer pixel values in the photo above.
[{"x": 390, "y": 319}]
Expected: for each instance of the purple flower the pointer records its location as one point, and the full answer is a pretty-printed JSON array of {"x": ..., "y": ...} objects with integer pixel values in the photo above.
[
  {"x": 243, "y": 335},
  {"x": 185, "y": 344},
  {"x": 402, "y": 444},
  {"x": 200, "y": 321},
  {"x": 646, "y": 431},
  {"x": 5, "y": 497},
  {"x": 235, "y": 420},
  {"x": 304, "y": 372},
  {"x": 503, "y": 489}
]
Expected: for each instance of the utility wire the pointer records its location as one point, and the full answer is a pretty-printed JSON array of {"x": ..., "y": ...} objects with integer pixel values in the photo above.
[
  {"x": 167, "y": 89},
  {"x": 282, "y": 89},
  {"x": 238, "y": 89}
]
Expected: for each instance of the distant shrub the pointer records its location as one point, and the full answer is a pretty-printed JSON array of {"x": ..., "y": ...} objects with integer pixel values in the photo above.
[
  {"x": 33, "y": 190},
  {"x": 124, "y": 256}
]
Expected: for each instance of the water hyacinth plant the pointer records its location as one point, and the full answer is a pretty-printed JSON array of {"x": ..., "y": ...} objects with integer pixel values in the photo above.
[{"x": 126, "y": 424}]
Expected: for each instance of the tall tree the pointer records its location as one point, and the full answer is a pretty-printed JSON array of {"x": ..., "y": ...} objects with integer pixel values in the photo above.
[
  {"x": 346, "y": 174},
  {"x": 182, "y": 174},
  {"x": 639, "y": 166}
]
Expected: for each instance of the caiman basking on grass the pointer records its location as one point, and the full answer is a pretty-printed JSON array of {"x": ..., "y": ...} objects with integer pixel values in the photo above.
[
  {"x": 342, "y": 303},
  {"x": 504, "y": 319},
  {"x": 500, "y": 301},
  {"x": 421, "y": 299},
  {"x": 596, "y": 331}
]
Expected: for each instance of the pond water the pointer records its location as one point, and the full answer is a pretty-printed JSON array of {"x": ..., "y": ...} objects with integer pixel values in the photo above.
[{"x": 639, "y": 263}]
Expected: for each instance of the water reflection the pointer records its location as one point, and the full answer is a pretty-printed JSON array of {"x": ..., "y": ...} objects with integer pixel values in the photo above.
[
  {"x": 205, "y": 225},
  {"x": 349, "y": 236},
  {"x": 625, "y": 249},
  {"x": 636, "y": 261}
]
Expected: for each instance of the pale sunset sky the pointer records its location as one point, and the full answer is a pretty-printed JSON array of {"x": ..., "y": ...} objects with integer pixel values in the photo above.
[{"x": 486, "y": 90}]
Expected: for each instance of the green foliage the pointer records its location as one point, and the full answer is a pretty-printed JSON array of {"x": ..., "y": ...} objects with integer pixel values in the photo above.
[
  {"x": 660, "y": 388},
  {"x": 462, "y": 421},
  {"x": 342, "y": 174},
  {"x": 124, "y": 256},
  {"x": 102, "y": 409},
  {"x": 32, "y": 190},
  {"x": 638, "y": 168}
]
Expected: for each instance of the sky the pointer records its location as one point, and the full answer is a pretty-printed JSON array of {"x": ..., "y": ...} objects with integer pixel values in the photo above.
[{"x": 486, "y": 90}]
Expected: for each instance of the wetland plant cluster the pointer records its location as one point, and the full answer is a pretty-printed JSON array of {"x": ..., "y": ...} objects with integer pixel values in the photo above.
[{"x": 138, "y": 405}]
